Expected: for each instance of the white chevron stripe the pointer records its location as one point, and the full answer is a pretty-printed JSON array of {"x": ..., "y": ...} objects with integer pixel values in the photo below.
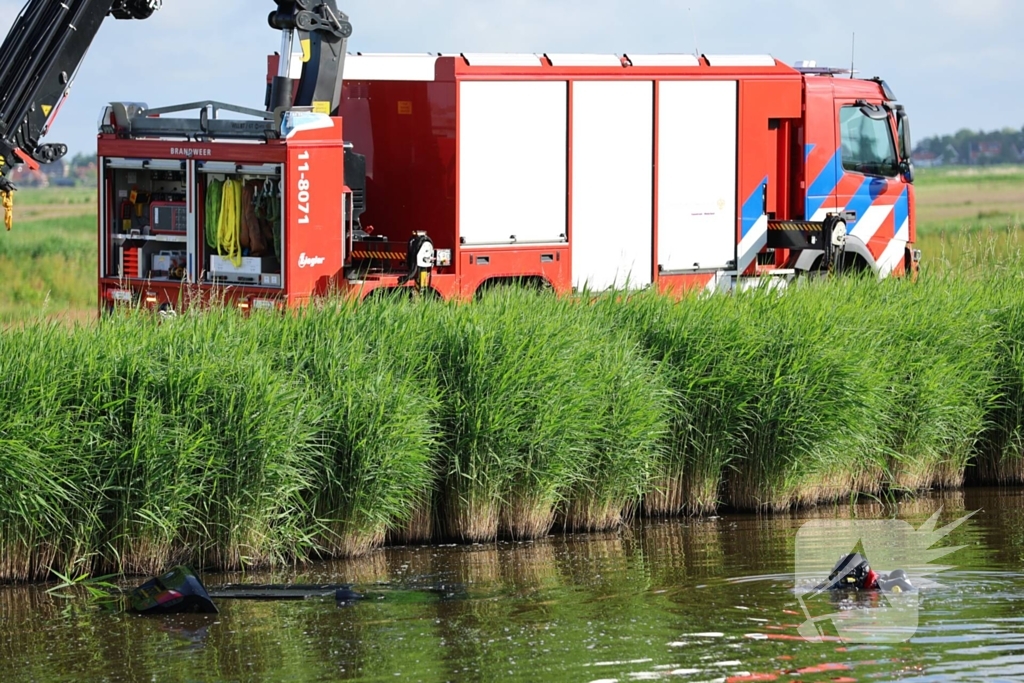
[
  {"x": 895, "y": 252},
  {"x": 821, "y": 214},
  {"x": 868, "y": 224},
  {"x": 718, "y": 283},
  {"x": 753, "y": 242}
]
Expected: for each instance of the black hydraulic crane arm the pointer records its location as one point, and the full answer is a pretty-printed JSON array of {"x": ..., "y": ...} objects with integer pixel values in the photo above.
[
  {"x": 38, "y": 62},
  {"x": 323, "y": 31},
  {"x": 49, "y": 39}
]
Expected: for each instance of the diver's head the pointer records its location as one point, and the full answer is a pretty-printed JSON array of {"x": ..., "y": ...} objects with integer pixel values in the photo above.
[{"x": 851, "y": 571}]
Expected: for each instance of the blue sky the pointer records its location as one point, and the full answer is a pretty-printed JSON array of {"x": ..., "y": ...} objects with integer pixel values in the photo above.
[{"x": 954, "y": 63}]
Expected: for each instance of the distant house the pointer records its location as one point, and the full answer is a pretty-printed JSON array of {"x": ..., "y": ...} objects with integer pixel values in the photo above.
[
  {"x": 927, "y": 159},
  {"x": 950, "y": 155},
  {"x": 58, "y": 169},
  {"x": 23, "y": 176},
  {"x": 985, "y": 151},
  {"x": 86, "y": 173},
  {"x": 972, "y": 148},
  {"x": 57, "y": 174}
]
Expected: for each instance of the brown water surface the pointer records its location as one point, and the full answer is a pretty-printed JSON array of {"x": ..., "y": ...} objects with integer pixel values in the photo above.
[{"x": 683, "y": 600}]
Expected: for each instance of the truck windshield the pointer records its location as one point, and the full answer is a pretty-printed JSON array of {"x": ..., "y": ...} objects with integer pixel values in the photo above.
[{"x": 867, "y": 144}]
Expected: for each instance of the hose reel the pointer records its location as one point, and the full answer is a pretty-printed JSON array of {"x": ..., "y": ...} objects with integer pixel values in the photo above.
[
  {"x": 420, "y": 262},
  {"x": 834, "y": 232}
]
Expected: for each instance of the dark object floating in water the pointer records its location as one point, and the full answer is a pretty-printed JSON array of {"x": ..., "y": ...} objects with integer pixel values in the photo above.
[
  {"x": 341, "y": 593},
  {"x": 176, "y": 592},
  {"x": 180, "y": 591}
]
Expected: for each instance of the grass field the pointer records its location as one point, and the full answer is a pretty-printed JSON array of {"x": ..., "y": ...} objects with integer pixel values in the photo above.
[
  {"x": 970, "y": 199},
  {"x": 969, "y": 218},
  {"x": 48, "y": 262}
]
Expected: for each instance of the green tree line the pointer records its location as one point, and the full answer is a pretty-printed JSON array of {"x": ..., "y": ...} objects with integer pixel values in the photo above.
[{"x": 966, "y": 146}]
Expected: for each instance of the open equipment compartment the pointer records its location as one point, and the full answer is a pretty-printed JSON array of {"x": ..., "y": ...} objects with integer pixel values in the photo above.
[
  {"x": 242, "y": 229},
  {"x": 146, "y": 219},
  {"x": 158, "y": 224}
]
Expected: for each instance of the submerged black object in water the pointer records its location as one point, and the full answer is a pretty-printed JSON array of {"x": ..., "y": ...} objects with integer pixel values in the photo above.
[
  {"x": 176, "y": 592},
  {"x": 180, "y": 590},
  {"x": 852, "y": 572},
  {"x": 341, "y": 593}
]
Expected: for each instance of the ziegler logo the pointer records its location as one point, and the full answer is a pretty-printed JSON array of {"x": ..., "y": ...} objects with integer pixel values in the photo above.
[
  {"x": 191, "y": 152},
  {"x": 310, "y": 261}
]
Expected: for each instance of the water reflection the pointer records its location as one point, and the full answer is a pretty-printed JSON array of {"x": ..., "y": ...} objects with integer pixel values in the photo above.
[{"x": 710, "y": 598}]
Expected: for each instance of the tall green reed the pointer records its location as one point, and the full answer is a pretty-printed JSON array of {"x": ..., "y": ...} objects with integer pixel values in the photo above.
[
  {"x": 701, "y": 355},
  {"x": 1001, "y": 452},
  {"x": 543, "y": 405},
  {"x": 369, "y": 378},
  {"x": 813, "y": 424}
]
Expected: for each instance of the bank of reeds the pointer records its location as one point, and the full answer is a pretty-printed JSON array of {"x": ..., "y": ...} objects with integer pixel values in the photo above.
[
  {"x": 237, "y": 442},
  {"x": 367, "y": 374},
  {"x": 545, "y": 411},
  {"x": 1001, "y": 459},
  {"x": 768, "y": 402}
]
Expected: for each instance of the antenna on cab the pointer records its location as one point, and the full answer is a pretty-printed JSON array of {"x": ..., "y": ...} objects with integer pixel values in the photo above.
[
  {"x": 693, "y": 25},
  {"x": 853, "y": 54}
]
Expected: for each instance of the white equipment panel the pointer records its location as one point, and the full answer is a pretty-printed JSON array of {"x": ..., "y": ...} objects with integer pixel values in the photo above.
[
  {"x": 390, "y": 67},
  {"x": 583, "y": 60},
  {"x": 502, "y": 59},
  {"x": 512, "y": 162},
  {"x": 740, "y": 60},
  {"x": 696, "y": 174},
  {"x": 612, "y": 184},
  {"x": 674, "y": 60}
]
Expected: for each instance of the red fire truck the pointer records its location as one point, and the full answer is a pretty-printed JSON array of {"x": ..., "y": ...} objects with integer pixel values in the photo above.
[{"x": 446, "y": 174}]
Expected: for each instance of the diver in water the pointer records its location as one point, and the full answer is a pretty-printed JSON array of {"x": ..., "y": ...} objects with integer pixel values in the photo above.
[{"x": 852, "y": 572}]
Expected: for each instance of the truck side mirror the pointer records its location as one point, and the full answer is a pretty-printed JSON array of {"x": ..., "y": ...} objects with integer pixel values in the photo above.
[
  {"x": 906, "y": 145},
  {"x": 903, "y": 126},
  {"x": 907, "y": 171}
]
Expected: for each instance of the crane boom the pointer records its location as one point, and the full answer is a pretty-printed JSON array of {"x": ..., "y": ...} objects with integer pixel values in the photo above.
[
  {"x": 323, "y": 31},
  {"x": 40, "y": 57},
  {"x": 50, "y": 38}
]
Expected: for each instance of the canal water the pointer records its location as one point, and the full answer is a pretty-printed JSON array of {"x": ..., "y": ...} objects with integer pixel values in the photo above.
[{"x": 689, "y": 600}]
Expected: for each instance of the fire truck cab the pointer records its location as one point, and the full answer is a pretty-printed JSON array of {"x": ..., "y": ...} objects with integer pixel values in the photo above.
[{"x": 857, "y": 166}]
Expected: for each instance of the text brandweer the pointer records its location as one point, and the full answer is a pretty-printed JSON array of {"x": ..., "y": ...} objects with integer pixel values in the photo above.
[{"x": 191, "y": 152}]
